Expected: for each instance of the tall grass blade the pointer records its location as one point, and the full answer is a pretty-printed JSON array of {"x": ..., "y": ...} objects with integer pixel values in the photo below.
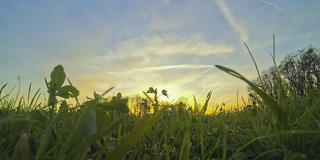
[
  {"x": 224, "y": 140},
  {"x": 256, "y": 66},
  {"x": 149, "y": 98},
  {"x": 185, "y": 147},
  {"x": 34, "y": 98},
  {"x": 279, "y": 83},
  {"x": 18, "y": 93},
  {"x": 280, "y": 114},
  {"x": 2, "y": 88},
  {"x": 196, "y": 107},
  {"x": 29, "y": 92},
  {"x": 205, "y": 106}
]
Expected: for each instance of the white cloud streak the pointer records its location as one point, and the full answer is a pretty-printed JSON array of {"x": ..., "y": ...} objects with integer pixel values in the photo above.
[
  {"x": 164, "y": 67},
  {"x": 167, "y": 45},
  {"x": 240, "y": 31}
]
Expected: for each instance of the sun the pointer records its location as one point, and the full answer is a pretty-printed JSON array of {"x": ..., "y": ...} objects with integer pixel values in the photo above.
[{"x": 172, "y": 91}]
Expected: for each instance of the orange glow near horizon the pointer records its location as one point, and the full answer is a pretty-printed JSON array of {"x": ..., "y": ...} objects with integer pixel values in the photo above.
[{"x": 174, "y": 93}]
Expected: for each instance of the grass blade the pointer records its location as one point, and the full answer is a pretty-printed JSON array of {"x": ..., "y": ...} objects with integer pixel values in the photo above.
[
  {"x": 195, "y": 105},
  {"x": 274, "y": 135},
  {"x": 132, "y": 139},
  {"x": 47, "y": 136},
  {"x": 275, "y": 108},
  {"x": 256, "y": 66},
  {"x": 205, "y": 106},
  {"x": 2, "y": 88},
  {"x": 96, "y": 136},
  {"x": 185, "y": 148}
]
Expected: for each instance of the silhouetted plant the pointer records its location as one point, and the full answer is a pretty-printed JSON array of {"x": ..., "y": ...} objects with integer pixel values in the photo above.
[{"x": 155, "y": 100}]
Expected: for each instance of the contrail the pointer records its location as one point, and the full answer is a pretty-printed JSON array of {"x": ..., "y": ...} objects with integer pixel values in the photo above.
[
  {"x": 227, "y": 13},
  {"x": 274, "y": 6}
]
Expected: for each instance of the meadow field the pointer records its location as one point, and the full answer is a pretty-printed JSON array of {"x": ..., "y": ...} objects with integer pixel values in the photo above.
[{"x": 283, "y": 125}]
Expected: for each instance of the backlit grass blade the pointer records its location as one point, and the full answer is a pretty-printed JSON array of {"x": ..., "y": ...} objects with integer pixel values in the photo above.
[
  {"x": 185, "y": 148},
  {"x": 256, "y": 66},
  {"x": 205, "y": 106},
  {"x": 224, "y": 139},
  {"x": 2, "y": 88},
  {"x": 35, "y": 98},
  {"x": 133, "y": 138},
  {"x": 279, "y": 83},
  {"x": 149, "y": 98},
  {"x": 18, "y": 93},
  {"x": 275, "y": 108},
  {"x": 195, "y": 109}
]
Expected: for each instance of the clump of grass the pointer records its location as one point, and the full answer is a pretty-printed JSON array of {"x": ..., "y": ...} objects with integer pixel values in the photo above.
[
  {"x": 282, "y": 128},
  {"x": 58, "y": 131}
]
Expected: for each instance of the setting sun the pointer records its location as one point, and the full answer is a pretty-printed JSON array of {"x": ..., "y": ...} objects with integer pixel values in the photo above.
[{"x": 173, "y": 93}]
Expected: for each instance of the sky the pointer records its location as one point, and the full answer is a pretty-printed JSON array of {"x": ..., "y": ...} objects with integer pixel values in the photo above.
[{"x": 137, "y": 44}]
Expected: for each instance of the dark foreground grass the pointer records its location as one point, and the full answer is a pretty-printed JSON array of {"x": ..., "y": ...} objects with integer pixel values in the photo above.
[
  {"x": 94, "y": 131},
  {"x": 285, "y": 128}
]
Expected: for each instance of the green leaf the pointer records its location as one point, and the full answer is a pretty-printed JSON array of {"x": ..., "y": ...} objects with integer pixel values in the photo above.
[
  {"x": 76, "y": 97},
  {"x": 90, "y": 124},
  {"x": 57, "y": 77},
  {"x": 151, "y": 90},
  {"x": 67, "y": 91},
  {"x": 103, "y": 119},
  {"x": 95, "y": 121},
  {"x": 165, "y": 93},
  {"x": 119, "y": 95}
]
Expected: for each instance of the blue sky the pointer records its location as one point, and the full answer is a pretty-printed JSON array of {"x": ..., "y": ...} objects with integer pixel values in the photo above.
[{"x": 133, "y": 45}]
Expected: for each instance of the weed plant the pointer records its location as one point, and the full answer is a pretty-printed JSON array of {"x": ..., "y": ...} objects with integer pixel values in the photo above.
[{"x": 283, "y": 128}]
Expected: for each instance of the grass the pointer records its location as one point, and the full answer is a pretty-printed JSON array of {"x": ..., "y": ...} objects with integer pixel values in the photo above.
[{"x": 100, "y": 129}]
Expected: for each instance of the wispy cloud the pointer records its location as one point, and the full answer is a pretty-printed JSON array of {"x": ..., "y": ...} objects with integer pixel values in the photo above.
[
  {"x": 164, "y": 67},
  {"x": 242, "y": 33},
  {"x": 168, "y": 44}
]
